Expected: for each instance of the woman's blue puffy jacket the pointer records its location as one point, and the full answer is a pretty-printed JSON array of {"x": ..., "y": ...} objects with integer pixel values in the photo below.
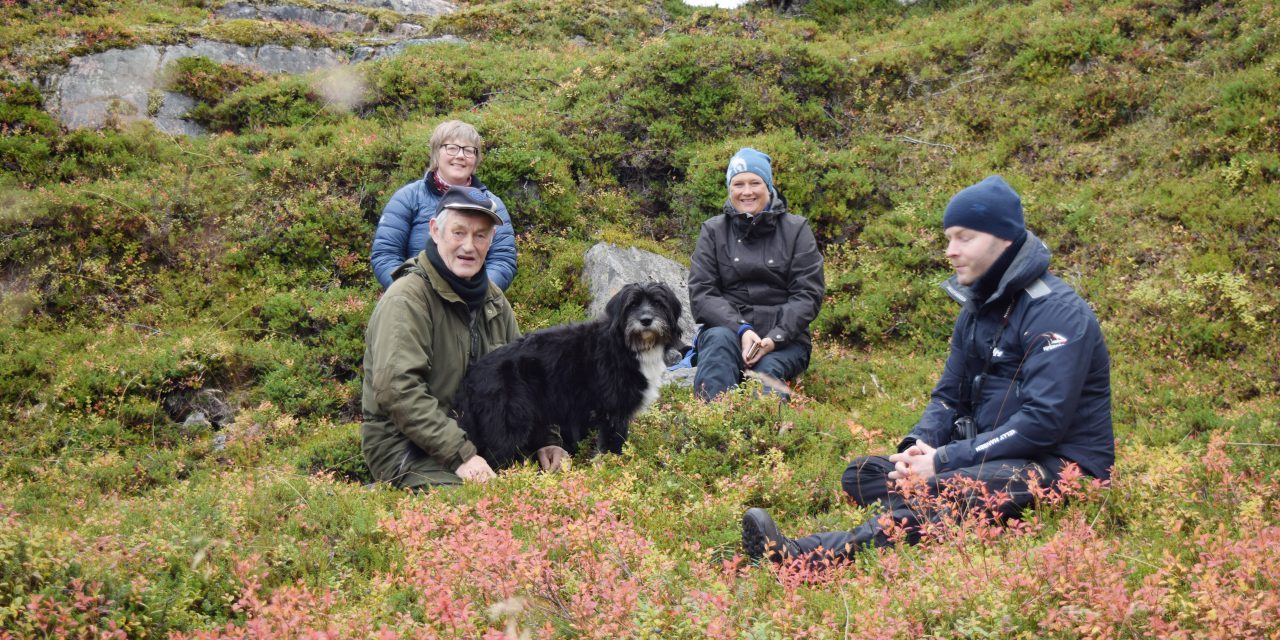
[{"x": 403, "y": 231}]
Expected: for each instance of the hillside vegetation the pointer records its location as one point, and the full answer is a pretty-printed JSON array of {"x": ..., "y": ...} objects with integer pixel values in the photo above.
[{"x": 143, "y": 277}]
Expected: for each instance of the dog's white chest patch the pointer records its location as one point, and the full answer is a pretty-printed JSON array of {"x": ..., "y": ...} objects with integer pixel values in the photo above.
[{"x": 652, "y": 366}]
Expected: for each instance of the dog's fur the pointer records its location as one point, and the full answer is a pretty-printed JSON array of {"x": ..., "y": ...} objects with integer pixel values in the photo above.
[{"x": 591, "y": 375}]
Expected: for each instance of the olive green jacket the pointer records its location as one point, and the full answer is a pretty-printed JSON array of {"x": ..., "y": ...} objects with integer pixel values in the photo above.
[{"x": 419, "y": 343}]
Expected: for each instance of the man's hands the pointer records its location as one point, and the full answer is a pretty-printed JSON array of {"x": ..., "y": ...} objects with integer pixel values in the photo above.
[
  {"x": 917, "y": 460},
  {"x": 754, "y": 348},
  {"x": 476, "y": 470},
  {"x": 551, "y": 457}
]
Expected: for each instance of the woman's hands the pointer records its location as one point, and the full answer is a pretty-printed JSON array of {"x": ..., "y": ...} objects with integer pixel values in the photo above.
[{"x": 754, "y": 347}]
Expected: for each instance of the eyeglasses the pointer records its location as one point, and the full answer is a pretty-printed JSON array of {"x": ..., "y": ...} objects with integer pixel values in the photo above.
[{"x": 454, "y": 150}]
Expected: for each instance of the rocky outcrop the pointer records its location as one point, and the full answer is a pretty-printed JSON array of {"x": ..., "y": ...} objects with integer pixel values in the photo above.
[
  {"x": 271, "y": 58},
  {"x": 377, "y": 53},
  {"x": 608, "y": 267},
  {"x": 124, "y": 85},
  {"x": 409, "y": 7},
  {"x": 113, "y": 84}
]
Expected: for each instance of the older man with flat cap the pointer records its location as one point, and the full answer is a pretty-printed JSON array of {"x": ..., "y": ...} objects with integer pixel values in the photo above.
[
  {"x": 1025, "y": 392},
  {"x": 440, "y": 313}
]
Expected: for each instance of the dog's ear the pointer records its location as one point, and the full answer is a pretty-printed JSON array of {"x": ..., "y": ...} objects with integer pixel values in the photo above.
[
  {"x": 617, "y": 305},
  {"x": 669, "y": 298},
  {"x": 663, "y": 294}
]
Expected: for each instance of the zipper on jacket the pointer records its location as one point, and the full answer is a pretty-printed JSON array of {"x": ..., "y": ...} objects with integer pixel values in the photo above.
[{"x": 475, "y": 335}]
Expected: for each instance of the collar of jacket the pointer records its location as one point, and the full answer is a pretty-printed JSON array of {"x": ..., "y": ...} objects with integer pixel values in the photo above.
[
  {"x": 753, "y": 226},
  {"x": 1030, "y": 263},
  {"x": 429, "y": 179},
  {"x": 423, "y": 267}
]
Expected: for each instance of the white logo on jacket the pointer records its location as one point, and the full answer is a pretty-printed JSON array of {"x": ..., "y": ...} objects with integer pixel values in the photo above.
[{"x": 1055, "y": 340}]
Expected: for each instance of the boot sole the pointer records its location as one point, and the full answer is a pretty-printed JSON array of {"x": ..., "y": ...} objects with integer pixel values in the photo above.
[{"x": 758, "y": 534}]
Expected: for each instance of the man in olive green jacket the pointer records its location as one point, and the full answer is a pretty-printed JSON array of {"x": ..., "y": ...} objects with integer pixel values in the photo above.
[{"x": 438, "y": 316}]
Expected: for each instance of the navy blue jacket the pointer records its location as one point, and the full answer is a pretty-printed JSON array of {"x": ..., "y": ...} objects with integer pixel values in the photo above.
[
  {"x": 403, "y": 230},
  {"x": 1047, "y": 395}
]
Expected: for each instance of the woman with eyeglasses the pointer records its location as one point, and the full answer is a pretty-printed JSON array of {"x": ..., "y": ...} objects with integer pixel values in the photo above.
[{"x": 456, "y": 150}]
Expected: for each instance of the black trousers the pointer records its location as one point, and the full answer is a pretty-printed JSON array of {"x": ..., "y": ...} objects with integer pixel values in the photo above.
[{"x": 866, "y": 481}]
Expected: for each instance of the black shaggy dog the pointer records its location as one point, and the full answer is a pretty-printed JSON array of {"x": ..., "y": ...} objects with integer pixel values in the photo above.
[{"x": 579, "y": 377}]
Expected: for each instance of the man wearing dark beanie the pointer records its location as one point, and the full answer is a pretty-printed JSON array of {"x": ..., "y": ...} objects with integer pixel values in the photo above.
[{"x": 1025, "y": 393}]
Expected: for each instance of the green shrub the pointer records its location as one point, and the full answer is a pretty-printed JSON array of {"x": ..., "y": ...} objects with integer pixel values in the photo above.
[
  {"x": 279, "y": 102},
  {"x": 1213, "y": 313},
  {"x": 335, "y": 450},
  {"x": 529, "y": 163},
  {"x": 549, "y": 289},
  {"x": 21, "y": 113},
  {"x": 834, "y": 190},
  {"x": 36, "y": 152},
  {"x": 253, "y": 33},
  {"x": 1245, "y": 108},
  {"x": 1104, "y": 101},
  {"x": 210, "y": 82},
  {"x": 310, "y": 232},
  {"x": 439, "y": 78},
  {"x": 550, "y": 20},
  {"x": 873, "y": 300},
  {"x": 688, "y": 88},
  {"x": 1058, "y": 40},
  {"x": 826, "y": 12}
]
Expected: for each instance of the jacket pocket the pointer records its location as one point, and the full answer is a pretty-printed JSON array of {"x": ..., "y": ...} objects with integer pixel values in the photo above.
[{"x": 1000, "y": 400}]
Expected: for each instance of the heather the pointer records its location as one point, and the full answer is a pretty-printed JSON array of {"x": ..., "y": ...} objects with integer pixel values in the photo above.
[{"x": 144, "y": 276}]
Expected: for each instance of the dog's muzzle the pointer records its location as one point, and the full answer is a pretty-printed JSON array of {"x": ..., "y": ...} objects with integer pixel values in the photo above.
[{"x": 646, "y": 332}]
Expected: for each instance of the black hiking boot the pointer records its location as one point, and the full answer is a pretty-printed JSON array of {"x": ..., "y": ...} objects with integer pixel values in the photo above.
[{"x": 761, "y": 538}]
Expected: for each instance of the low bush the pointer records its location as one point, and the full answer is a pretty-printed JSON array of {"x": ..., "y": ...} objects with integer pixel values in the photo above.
[
  {"x": 335, "y": 451},
  {"x": 209, "y": 81},
  {"x": 253, "y": 33},
  {"x": 279, "y": 102},
  {"x": 596, "y": 21}
]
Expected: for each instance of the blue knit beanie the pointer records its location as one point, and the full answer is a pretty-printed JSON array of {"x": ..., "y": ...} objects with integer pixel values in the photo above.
[
  {"x": 748, "y": 160},
  {"x": 991, "y": 206}
]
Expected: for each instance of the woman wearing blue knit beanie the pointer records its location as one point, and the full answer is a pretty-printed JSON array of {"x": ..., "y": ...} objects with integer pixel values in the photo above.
[{"x": 755, "y": 284}]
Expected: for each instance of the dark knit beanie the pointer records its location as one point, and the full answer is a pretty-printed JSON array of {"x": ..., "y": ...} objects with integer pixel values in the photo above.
[{"x": 991, "y": 206}]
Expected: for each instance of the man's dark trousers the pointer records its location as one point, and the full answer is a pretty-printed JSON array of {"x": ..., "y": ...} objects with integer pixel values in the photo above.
[{"x": 866, "y": 481}]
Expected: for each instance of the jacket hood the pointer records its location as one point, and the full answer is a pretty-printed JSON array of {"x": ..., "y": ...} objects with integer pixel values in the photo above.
[
  {"x": 1031, "y": 262},
  {"x": 763, "y": 222}
]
